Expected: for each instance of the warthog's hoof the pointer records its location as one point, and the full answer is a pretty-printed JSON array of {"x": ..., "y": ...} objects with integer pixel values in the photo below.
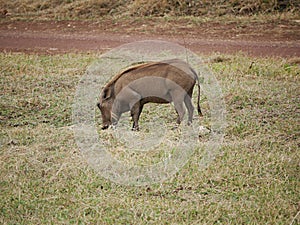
[
  {"x": 105, "y": 127},
  {"x": 135, "y": 129}
]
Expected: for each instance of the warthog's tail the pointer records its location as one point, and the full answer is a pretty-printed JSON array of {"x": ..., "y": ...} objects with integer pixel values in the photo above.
[{"x": 198, "y": 99}]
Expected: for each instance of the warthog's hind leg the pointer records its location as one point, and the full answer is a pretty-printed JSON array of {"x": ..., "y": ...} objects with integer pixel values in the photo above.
[
  {"x": 189, "y": 105},
  {"x": 178, "y": 99},
  {"x": 180, "y": 111}
]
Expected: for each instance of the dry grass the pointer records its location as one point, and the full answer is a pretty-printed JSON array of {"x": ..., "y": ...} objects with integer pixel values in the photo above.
[
  {"x": 211, "y": 8},
  {"x": 44, "y": 179},
  {"x": 74, "y": 9}
]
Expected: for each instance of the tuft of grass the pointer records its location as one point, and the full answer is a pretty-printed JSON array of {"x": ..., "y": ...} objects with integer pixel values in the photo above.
[{"x": 44, "y": 179}]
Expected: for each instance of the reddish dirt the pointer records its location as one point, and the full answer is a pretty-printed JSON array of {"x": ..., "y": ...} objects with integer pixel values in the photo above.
[{"x": 280, "y": 39}]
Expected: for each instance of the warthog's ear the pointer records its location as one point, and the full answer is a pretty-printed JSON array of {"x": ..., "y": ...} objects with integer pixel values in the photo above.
[{"x": 107, "y": 93}]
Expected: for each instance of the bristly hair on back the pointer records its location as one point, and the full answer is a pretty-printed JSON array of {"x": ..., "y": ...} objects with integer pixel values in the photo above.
[{"x": 131, "y": 68}]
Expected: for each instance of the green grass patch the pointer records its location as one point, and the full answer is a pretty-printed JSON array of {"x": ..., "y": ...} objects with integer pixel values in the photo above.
[{"x": 44, "y": 179}]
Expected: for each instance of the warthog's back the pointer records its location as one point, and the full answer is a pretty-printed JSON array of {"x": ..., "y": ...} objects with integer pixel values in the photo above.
[{"x": 175, "y": 70}]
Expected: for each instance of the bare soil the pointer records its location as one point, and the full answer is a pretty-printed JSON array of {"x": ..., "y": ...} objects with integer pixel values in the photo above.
[{"x": 260, "y": 39}]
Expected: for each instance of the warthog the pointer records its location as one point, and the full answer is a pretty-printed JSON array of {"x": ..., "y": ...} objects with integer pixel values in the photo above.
[{"x": 157, "y": 82}]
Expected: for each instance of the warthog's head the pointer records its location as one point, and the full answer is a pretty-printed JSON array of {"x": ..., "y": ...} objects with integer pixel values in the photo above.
[{"x": 105, "y": 105}]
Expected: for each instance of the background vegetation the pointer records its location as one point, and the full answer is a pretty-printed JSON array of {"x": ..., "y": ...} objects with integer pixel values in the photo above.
[{"x": 88, "y": 9}]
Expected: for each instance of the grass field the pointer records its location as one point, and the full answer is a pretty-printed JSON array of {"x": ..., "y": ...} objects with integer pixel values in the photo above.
[{"x": 45, "y": 180}]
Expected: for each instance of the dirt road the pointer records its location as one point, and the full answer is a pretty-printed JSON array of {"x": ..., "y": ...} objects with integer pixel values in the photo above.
[{"x": 53, "y": 37}]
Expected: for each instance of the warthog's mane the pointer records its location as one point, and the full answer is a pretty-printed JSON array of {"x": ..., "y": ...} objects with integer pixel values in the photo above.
[{"x": 131, "y": 68}]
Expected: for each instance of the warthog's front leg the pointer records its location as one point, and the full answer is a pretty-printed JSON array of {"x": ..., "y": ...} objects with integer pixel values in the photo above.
[
  {"x": 132, "y": 99},
  {"x": 135, "y": 113},
  {"x": 116, "y": 112}
]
